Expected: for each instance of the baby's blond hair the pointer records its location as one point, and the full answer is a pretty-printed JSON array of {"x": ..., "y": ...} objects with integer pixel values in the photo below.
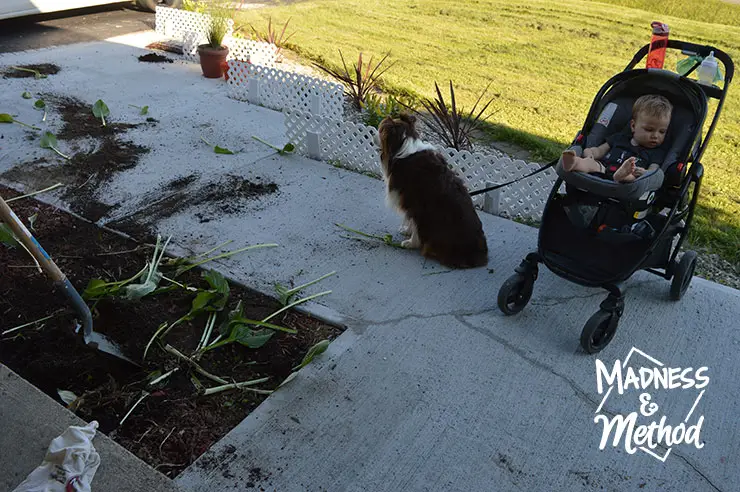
[{"x": 653, "y": 106}]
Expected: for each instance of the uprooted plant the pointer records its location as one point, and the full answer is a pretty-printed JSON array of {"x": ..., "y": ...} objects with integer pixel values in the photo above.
[
  {"x": 7, "y": 118},
  {"x": 49, "y": 141},
  {"x": 452, "y": 124},
  {"x": 100, "y": 110},
  {"x": 363, "y": 79}
]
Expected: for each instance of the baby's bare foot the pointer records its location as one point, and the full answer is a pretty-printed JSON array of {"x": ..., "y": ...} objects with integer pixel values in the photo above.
[
  {"x": 569, "y": 160},
  {"x": 625, "y": 173}
]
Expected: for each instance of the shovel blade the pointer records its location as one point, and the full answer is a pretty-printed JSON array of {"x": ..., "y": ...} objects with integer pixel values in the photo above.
[{"x": 100, "y": 342}]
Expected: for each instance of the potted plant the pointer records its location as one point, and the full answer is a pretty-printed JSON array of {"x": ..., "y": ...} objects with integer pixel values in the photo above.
[{"x": 213, "y": 53}]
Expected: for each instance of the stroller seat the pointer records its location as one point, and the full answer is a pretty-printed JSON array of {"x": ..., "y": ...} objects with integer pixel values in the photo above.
[{"x": 614, "y": 116}]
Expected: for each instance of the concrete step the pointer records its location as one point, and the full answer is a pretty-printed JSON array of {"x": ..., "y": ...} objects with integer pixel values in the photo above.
[{"x": 29, "y": 420}]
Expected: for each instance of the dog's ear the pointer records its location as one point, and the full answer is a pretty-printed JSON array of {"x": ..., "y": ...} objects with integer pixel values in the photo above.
[{"x": 408, "y": 118}]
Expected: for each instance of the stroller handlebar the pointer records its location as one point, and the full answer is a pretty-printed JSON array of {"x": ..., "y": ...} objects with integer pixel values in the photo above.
[{"x": 698, "y": 49}]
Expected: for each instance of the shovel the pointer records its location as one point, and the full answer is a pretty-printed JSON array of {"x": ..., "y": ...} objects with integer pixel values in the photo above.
[{"x": 94, "y": 340}]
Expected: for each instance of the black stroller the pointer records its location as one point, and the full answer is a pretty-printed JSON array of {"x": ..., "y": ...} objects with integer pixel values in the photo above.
[{"x": 596, "y": 232}]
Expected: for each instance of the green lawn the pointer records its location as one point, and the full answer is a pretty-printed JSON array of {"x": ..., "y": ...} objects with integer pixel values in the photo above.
[{"x": 546, "y": 58}]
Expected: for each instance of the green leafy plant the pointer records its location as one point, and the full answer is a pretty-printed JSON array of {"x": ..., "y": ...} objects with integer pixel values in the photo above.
[
  {"x": 37, "y": 75},
  {"x": 451, "y": 123},
  {"x": 363, "y": 79},
  {"x": 272, "y": 37},
  {"x": 220, "y": 15},
  {"x": 153, "y": 276},
  {"x": 143, "y": 110},
  {"x": 288, "y": 148},
  {"x": 216, "y": 148},
  {"x": 49, "y": 141},
  {"x": 26, "y": 95},
  {"x": 205, "y": 301},
  {"x": 100, "y": 110},
  {"x": 238, "y": 329},
  {"x": 194, "y": 6},
  {"x": 41, "y": 106},
  {"x": 6, "y": 118},
  {"x": 6, "y": 236},
  {"x": 376, "y": 108}
]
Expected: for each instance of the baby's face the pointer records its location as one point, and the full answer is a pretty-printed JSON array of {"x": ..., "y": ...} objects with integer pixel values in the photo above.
[{"x": 649, "y": 131}]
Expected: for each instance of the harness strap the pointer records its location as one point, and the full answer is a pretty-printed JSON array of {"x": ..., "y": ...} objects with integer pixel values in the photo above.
[{"x": 491, "y": 188}]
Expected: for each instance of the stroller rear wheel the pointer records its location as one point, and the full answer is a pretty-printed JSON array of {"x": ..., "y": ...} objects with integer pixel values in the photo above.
[
  {"x": 599, "y": 331},
  {"x": 684, "y": 273},
  {"x": 514, "y": 294}
]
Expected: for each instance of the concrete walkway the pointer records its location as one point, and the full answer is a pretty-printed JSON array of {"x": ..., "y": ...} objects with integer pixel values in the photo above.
[{"x": 430, "y": 387}]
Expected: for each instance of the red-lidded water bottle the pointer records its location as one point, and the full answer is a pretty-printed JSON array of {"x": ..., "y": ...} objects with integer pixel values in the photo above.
[{"x": 658, "y": 45}]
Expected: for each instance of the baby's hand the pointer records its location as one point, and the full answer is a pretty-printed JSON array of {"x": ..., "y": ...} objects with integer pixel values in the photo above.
[{"x": 639, "y": 171}]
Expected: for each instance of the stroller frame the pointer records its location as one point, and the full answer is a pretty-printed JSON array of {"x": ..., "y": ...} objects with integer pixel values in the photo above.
[{"x": 600, "y": 329}]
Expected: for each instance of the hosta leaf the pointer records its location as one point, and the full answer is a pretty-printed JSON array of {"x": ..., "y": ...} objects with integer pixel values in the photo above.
[
  {"x": 5, "y": 118},
  {"x": 251, "y": 338},
  {"x": 100, "y": 109},
  {"x": 137, "y": 291},
  {"x": 40, "y": 104},
  {"x": 144, "y": 110},
  {"x": 317, "y": 349},
  {"x": 7, "y": 236},
  {"x": 48, "y": 141},
  {"x": 216, "y": 281},
  {"x": 221, "y": 150}
]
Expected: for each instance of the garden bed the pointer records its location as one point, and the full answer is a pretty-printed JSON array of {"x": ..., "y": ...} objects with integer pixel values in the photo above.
[{"x": 175, "y": 423}]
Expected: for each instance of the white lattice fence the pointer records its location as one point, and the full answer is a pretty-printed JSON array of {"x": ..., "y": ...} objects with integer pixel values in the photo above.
[
  {"x": 281, "y": 90},
  {"x": 524, "y": 199},
  {"x": 256, "y": 52},
  {"x": 353, "y": 146},
  {"x": 176, "y": 23}
]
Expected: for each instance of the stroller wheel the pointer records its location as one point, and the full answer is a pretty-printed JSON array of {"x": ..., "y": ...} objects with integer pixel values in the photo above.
[
  {"x": 684, "y": 274},
  {"x": 514, "y": 294},
  {"x": 599, "y": 331}
]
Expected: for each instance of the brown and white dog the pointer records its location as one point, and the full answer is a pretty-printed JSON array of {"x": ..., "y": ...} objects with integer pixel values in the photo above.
[{"x": 438, "y": 211}]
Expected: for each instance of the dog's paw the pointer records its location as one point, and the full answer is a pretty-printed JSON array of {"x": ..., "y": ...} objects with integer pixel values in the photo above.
[
  {"x": 407, "y": 243},
  {"x": 405, "y": 229}
]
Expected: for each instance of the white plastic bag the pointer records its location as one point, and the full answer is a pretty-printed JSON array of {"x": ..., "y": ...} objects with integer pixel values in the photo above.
[{"x": 69, "y": 465}]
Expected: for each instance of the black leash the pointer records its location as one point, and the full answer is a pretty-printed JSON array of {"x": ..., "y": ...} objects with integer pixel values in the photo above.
[{"x": 491, "y": 188}]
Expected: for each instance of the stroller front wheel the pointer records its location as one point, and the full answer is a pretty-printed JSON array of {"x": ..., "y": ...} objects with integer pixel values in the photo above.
[
  {"x": 684, "y": 274},
  {"x": 514, "y": 294},
  {"x": 599, "y": 331}
]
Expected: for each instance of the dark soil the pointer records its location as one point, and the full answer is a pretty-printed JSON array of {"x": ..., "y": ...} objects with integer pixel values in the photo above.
[
  {"x": 230, "y": 195},
  {"x": 79, "y": 121},
  {"x": 86, "y": 173},
  {"x": 154, "y": 58},
  {"x": 174, "y": 424},
  {"x": 43, "y": 69}
]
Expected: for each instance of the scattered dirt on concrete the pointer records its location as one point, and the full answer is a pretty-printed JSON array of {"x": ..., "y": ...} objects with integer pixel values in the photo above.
[
  {"x": 42, "y": 68},
  {"x": 228, "y": 196},
  {"x": 79, "y": 121},
  {"x": 154, "y": 58},
  {"x": 87, "y": 172}
]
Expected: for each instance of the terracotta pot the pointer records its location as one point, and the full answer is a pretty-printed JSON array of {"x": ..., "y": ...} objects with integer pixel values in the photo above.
[{"x": 211, "y": 59}]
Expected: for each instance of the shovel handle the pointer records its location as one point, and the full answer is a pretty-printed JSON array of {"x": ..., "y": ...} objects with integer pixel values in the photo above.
[{"x": 21, "y": 233}]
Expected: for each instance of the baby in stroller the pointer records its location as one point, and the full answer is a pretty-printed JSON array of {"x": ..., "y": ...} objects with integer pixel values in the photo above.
[{"x": 624, "y": 157}]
